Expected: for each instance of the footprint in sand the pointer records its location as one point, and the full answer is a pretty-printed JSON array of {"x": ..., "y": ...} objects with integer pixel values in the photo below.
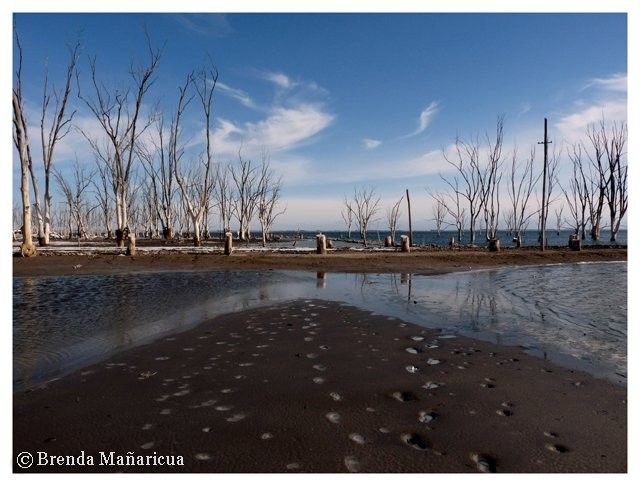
[
  {"x": 413, "y": 350},
  {"x": 335, "y": 396},
  {"x": 319, "y": 367},
  {"x": 556, "y": 448},
  {"x": 426, "y": 416},
  {"x": 147, "y": 445},
  {"x": 333, "y": 417},
  {"x": 357, "y": 438},
  {"x": 484, "y": 463},
  {"x": 236, "y": 418},
  {"x": 352, "y": 464},
  {"x": 415, "y": 441},
  {"x": 318, "y": 380},
  {"x": 403, "y": 396},
  {"x": 432, "y": 385}
]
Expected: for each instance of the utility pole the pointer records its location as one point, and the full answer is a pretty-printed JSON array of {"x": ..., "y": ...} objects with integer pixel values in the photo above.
[
  {"x": 410, "y": 227},
  {"x": 543, "y": 212}
]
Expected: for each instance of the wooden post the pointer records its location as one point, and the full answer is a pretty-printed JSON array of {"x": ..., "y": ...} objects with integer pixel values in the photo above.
[
  {"x": 494, "y": 244},
  {"x": 228, "y": 243},
  {"x": 404, "y": 244},
  {"x": 452, "y": 242},
  {"x": 410, "y": 227},
  {"x": 321, "y": 244},
  {"x": 387, "y": 242},
  {"x": 321, "y": 280}
]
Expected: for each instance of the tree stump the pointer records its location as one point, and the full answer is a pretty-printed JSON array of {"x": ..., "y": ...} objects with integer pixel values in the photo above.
[
  {"x": 452, "y": 242},
  {"x": 131, "y": 245},
  {"x": 388, "y": 243},
  {"x": 574, "y": 243},
  {"x": 404, "y": 244},
  {"x": 329, "y": 244},
  {"x": 321, "y": 244},
  {"x": 228, "y": 243},
  {"x": 494, "y": 244},
  {"x": 28, "y": 250}
]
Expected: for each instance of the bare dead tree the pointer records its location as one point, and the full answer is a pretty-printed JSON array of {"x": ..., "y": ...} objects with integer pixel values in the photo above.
[
  {"x": 197, "y": 182},
  {"x": 467, "y": 164},
  {"x": 439, "y": 213},
  {"x": 393, "y": 215},
  {"x": 245, "y": 179},
  {"x": 75, "y": 195},
  {"x": 576, "y": 195},
  {"x": 224, "y": 198},
  {"x": 119, "y": 114},
  {"x": 520, "y": 188},
  {"x": 598, "y": 176},
  {"x": 365, "y": 204},
  {"x": 54, "y": 126},
  {"x": 453, "y": 204},
  {"x": 552, "y": 181},
  {"x": 558, "y": 212},
  {"x": 347, "y": 215},
  {"x": 490, "y": 179},
  {"x": 614, "y": 140},
  {"x": 102, "y": 195},
  {"x": 269, "y": 193},
  {"x": 21, "y": 141},
  {"x": 158, "y": 163}
]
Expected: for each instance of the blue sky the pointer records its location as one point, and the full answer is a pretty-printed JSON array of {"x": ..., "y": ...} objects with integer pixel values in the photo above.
[{"x": 343, "y": 100}]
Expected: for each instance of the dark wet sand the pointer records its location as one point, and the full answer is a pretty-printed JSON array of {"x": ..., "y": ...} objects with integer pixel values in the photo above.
[{"x": 312, "y": 386}]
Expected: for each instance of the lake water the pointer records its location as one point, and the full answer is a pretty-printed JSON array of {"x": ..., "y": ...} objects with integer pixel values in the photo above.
[{"x": 574, "y": 314}]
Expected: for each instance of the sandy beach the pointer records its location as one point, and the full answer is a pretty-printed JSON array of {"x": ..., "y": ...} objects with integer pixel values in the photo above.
[{"x": 315, "y": 386}]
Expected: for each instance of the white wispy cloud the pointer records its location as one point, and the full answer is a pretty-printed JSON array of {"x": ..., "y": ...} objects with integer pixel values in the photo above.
[
  {"x": 370, "y": 143},
  {"x": 425, "y": 118},
  {"x": 284, "y": 129},
  {"x": 616, "y": 83},
  {"x": 291, "y": 118},
  {"x": 237, "y": 94},
  {"x": 279, "y": 79},
  {"x": 602, "y": 98},
  {"x": 573, "y": 126}
]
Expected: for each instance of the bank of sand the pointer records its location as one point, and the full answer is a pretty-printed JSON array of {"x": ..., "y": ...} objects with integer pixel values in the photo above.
[
  {"x": 314, "y": 386},
  {"x": 419, "y": 261}
]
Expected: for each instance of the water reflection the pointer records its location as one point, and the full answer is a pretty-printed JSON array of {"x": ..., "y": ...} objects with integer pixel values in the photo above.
[{"x": 63, "y": 323}]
